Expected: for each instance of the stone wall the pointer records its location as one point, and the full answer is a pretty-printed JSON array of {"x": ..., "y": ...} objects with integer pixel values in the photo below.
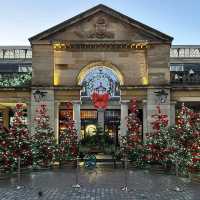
[
  {"x": 63, "y": 67},
  {"x": 68, "y": 65},
  {"x": 85, "y": 29},
  {"x": 42, "y": 64},
  {"x": 158, "y": 64}
]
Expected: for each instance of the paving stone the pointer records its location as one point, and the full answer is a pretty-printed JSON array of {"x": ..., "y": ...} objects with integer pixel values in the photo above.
[{"x": 98, "y": 184}]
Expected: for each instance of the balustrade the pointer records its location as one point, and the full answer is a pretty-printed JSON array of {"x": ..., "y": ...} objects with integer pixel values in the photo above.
[{"x": 185, "y": 51}]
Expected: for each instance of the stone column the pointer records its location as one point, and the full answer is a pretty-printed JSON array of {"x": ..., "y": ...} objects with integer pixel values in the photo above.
[
  {"x": 56, "y": 123},
  {"x": 144, "y": 120},
  {"x": 6, "y": 118},
  {"x": 100, "y": 113},
  {"x": 124, "y": 115},
  {"x": 28, "y": 107},
  {"x": 172, "y": 113},
  {"x": 77, "y": 116}
]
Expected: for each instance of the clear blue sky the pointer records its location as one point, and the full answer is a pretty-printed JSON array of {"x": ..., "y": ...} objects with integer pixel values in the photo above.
[{"x": 21, "y": 19}]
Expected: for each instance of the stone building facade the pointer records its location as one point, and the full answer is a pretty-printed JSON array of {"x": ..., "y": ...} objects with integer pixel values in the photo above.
[{"x": 101, "y": 49}]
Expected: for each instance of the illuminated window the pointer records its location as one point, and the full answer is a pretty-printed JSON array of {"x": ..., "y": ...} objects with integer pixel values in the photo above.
[
  {"x": 103, "y": 77},
  {"x": 177, "y": 67},
  {"x": 88, "y": 114}
]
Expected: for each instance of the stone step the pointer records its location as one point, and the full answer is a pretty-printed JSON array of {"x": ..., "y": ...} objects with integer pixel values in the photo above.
[
  {"x": 195, "y": 177},
  {"x": 103, "y": 156}
]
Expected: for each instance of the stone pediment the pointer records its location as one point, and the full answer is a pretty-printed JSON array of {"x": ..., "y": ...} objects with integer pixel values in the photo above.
[{"x": 102, "y": 23}]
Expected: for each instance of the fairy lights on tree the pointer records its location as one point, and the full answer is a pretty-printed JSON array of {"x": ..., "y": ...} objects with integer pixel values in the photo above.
[
  {"x": 135, "y": 149},
  {"x": 43, "y": 140},
  {"x": 186, "y": 137},
  {"x": 67, "y": 148},
  {"x": 19, "y": 136},
  {"x": 159, "y": 140},
  {"x": 6, "y": 150}
]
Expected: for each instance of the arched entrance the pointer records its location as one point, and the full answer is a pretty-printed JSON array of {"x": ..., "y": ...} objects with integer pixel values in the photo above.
[
  {"x": 95, "y": 65},
  {"x": 100, "y": 77}
]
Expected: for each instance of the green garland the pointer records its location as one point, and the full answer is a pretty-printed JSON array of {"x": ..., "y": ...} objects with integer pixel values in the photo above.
[{"x": 18, "y": 80}]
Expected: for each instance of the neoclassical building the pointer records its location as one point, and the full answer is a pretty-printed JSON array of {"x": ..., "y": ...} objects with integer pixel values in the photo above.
[{"x": 99, "y": 50}]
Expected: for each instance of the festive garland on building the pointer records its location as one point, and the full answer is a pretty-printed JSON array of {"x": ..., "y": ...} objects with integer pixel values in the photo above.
[{"x": 18, "y": 80}]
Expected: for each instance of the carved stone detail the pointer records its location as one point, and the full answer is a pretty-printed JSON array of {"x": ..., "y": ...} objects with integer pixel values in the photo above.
[
  {"x": 99, "y": 45},
  {"x": 101, "y": 30}
]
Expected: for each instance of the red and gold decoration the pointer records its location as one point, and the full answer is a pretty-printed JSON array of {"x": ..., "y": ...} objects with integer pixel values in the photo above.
[
  {"x": 100, "y": 101},
  {"x": 43, "y": 140},
  {"x": 67, "y": 147},
  {"x": 134, "y": 146},
  {"x": 15, "y": 142},
  {"x": 187, "y": 137},
  {"x": 19, "y": 137},
  {"x": 158, "y": 141},
  {"x": 179, "y": 144},
  {"x": 6, "y": 150}
]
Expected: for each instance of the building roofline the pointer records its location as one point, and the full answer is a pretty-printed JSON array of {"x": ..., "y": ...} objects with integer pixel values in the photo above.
[
  {"x": 185, "y": 46},
  {"x": 15, "y": 47},
  {"x": 10, "y": 47},
  {"x": 107, "y": 10}
]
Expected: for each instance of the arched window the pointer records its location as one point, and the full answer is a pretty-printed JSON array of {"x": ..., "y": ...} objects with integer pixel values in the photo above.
[{"x": 100, "y": 79}]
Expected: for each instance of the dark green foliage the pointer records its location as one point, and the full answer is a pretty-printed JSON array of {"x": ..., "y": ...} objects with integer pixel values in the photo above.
[{"x": 138, "y": 156}]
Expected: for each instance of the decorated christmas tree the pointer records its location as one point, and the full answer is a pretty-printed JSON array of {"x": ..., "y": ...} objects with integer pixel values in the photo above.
[
  {"x": 134, "y": 126},
  {"x": 67, "y": 148},
  {"x": 6, "y": 150},
  {"x": 178, "y": 144},
  {"x": 43, "y": 140},
  {"x": 195, "y": 154},
  {"x": 159, "y": 140},
  {"x": 19, "y": 138},
  {"x": 135, "y": 149},
  {"x": 186, "y": 137}
]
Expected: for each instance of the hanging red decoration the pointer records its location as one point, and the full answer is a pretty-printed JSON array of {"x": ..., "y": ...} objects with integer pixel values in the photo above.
[
  {"x": 69, "y": 105},
  {"x": 100, "y": 101},
  {"x": 133, "y": 105}
]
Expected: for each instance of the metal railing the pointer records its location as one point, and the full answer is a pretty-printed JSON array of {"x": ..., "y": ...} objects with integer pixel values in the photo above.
[
  {"x": 185, "y": 77},
  {"x": 15, "y": 52}
]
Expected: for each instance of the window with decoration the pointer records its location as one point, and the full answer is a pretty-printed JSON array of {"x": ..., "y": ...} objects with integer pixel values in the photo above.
[{"x": 101, "y": 79}]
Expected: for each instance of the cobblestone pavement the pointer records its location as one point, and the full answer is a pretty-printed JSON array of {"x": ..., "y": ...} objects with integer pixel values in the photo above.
[{"x": 98, "y": 184}]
